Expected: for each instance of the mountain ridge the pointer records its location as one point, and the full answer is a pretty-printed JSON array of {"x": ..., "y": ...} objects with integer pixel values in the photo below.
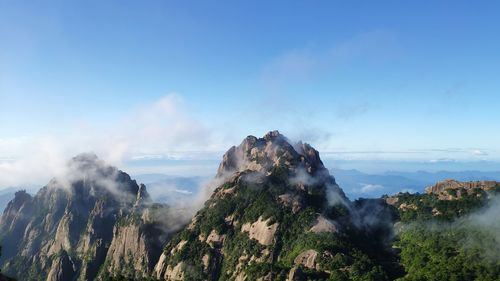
[{"x": 274, "y": 212}]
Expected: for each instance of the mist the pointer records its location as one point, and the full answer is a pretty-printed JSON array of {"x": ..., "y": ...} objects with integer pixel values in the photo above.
[{"x": 481, "y": 228}]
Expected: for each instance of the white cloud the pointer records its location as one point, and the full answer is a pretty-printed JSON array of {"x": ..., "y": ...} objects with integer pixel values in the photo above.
[
  {"x": 477, "y": 152},
  {"x": 367, "y": 187},
  {"x": 182, "y": 191},
  {"x": 32, "y": 160},
  {"x": 167, "y": 123},
  {"x": 165, "y": 127}
]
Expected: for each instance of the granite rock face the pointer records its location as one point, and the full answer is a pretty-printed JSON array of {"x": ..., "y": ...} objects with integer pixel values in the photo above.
[
  {"x": 89, "y": 223},
  {"x": 273, "y": 150}
]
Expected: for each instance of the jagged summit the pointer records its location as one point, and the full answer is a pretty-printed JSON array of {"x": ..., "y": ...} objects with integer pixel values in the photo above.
[
  {"x": 86, "y": 157},
  {"x": 273, "y": 157},
  {"x": 272, "y": 150},
  {"x": 87, "y": 175}
]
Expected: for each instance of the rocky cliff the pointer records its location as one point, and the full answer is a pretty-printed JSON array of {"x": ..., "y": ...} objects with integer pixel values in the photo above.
[
  {"x": 92, "y": 222},
  {"x": 277, "y": 214}
]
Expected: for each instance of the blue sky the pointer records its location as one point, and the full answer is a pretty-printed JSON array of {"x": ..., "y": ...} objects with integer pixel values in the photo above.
[{"x": 394, "y": 80}]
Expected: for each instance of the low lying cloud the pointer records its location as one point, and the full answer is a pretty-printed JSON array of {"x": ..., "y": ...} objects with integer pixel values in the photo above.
[
  {"x": 477, "y": 152},
  {"x": 480, "y": 230},
  {"x": 487, "y": 221}
]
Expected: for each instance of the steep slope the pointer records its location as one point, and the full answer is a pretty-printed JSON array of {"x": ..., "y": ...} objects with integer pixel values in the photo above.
[
  {"x": 93, "y": 221},
  {"x": 277, "y": 214}
]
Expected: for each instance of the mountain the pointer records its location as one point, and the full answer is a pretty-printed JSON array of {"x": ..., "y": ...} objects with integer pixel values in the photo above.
[
  {"x": 451, "y": 232},
  {"x": 93, "y": 221},
  {"x": 275, "y": 214}
]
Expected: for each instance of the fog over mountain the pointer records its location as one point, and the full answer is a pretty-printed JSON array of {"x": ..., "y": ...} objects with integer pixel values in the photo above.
[{"x": 272, "y": 212}]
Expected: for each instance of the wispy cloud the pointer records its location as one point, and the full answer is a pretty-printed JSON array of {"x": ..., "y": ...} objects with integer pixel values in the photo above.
[
  {"x": 434, "y": 155},
  {"x": 477, "y": 152},
  {"x": 299, "y": 64},
  {"x": 164, "y": 128},
  {"x": 348, "y": 111},
  {"x": 306, "y": 66},
  {"x": 442, "y": 160}
]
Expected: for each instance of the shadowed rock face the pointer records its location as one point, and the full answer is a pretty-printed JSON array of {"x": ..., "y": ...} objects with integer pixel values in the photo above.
[
  {"x": 93, "y": 215},
  {"x": 5, "y": 278}
]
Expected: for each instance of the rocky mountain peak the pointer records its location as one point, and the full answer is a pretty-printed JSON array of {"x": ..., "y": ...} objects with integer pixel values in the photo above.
[
  {"x": 86, "y": 175},
  {"x": 271, "y": 194},
  {"x": 264, "y": 154},
  {"x": 20, "y": 197},
  {"x": 90, "y": 215}
]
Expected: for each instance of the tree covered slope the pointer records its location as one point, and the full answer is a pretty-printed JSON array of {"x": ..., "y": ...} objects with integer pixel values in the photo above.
[{"x": 452, "y": 232}]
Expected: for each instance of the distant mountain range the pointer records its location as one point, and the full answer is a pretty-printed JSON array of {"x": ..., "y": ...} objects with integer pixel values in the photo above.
[
  {"x": 358, "y": 184},
  {"x": 175, "y": 190}
]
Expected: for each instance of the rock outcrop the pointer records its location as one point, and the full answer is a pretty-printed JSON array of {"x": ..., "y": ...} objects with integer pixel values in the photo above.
[
  {"x": 307, "y": 259},
  {"x": 452, "y": 189},
  {"x": 323, "y": 224},
  {"x": 261, "y": 230}
]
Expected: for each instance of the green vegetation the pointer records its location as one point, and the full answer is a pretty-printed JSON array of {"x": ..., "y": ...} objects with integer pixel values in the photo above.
[
  {"x": 447, "y": 252},
  {"x": 421, "y": 207},
  {"x": 344, "y": 255},
  {"x": 438, "y": 239}
]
